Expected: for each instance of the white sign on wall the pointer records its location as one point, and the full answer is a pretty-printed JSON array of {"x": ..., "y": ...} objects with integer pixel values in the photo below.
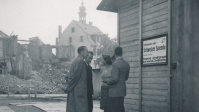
[{"x": 154, "y": 50}]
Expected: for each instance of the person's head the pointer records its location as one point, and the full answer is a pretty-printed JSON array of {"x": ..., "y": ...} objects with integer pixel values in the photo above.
[
  {"x": 106, "y": 60},
  {"x": 89, "y": 57},
  {"x": 118, "y": 52},
  {"x": 82, "y": 51}
]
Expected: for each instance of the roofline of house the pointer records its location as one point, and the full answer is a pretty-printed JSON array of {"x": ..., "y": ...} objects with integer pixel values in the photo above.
[
  {"x": 112, "y": 5},
  {"x": 107, "y": 5},
  {"x": 87, "y": 35},
  {"x": 81, "y": 27}
]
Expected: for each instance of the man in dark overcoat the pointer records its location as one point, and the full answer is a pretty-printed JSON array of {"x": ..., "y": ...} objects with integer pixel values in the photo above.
[
  {"x": 77, "y": 87},
  {"x": 89, "y": 81}
]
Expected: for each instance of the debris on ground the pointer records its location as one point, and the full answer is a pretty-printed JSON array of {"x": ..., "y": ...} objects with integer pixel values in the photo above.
[{"x": 47, "y": 80}]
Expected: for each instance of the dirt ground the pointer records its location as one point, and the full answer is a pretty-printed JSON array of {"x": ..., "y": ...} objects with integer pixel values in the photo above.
[
  {"x": 25, "y": 109},
  {"x": 6, "y": 101}
]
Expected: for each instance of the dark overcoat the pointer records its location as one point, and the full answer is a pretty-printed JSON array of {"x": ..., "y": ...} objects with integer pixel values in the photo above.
[
  {"x": 89, "y": 87},
  {"x": 77, "y": 98}
]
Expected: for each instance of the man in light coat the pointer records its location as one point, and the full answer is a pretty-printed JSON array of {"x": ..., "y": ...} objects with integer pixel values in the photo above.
[
  {"x": 117, "y": 84},
  {"x": 77, "y": 87}
]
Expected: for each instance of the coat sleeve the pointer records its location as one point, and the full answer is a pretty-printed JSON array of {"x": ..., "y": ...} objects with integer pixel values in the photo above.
[
  {"x": 74, "y": 74},
  {"x": 114, "y": 75},
  {"x": 91, "y": 79},
  {"x": 127, "y": 74}
]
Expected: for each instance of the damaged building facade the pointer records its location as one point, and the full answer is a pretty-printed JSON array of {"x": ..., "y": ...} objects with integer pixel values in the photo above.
[
  {"x": 13, "y": 56},
  {"x": 19, "y": 58}
]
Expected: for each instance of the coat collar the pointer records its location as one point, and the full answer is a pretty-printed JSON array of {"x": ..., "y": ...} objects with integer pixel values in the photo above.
[
  {"x": 118, "y": 58},
  {"x": 79, "y": 56}
]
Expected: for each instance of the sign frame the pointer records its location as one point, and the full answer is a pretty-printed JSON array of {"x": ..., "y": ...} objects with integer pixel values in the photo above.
[{"x": 151, "y": 38}]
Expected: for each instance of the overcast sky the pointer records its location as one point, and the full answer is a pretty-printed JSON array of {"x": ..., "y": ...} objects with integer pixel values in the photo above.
[{"x": 30, "y": 18}]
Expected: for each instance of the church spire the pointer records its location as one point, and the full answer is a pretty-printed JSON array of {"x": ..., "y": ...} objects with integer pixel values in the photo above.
[{"x": 82, "y": 13}]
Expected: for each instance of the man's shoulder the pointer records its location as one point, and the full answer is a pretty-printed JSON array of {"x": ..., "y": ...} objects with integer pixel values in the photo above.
[
  {"x": 120, "y": 62},
  {"x": 116, "y": 64},
  {"x": 77, "y": 61}
]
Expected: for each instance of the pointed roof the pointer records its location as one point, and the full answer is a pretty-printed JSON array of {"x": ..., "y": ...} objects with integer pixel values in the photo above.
[
  {"x": 89, "y": 29},
  {"x": 112, "y": 5},
  {"x": 3, "y": 35}
]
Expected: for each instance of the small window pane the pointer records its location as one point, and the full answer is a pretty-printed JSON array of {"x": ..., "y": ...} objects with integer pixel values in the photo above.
[{"x": 73, "y": 30}]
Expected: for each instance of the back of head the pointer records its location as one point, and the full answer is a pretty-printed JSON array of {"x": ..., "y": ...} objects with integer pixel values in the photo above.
[
  {"x": 118, "y": 51},
  {"x": 80, "y": 49},
  {"x": 107, "y": 58}
]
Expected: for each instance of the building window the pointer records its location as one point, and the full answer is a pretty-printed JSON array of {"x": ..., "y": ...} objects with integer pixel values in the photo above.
[
  {"x": 81, "y": 38},
  {"x": 70, "y": 40},
  {"x": 72, "y": 29}
]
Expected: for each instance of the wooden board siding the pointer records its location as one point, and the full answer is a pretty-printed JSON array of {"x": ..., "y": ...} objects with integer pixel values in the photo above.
[
  {"x": 161, "y": 88},
  {"x": 176, "y": 81},
  {"x": 129, "y": 41},
  {"x": 151, "y": 90},
  {"x": 155, "y": 17},
  {"x": 155, "y": 79}
]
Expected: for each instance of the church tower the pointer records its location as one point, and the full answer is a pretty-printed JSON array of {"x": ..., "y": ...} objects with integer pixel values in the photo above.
[{"x": 82, "y": 13}]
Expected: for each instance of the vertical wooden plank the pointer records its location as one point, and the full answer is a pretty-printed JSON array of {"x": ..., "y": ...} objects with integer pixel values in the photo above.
[
  {"x": 140, "y": 50},
  {"x": 169, "y": 56},
  {"x": 179, "y": 64},
  {"x": 118, "y": 27},
  {"x": 190, "y": 54},
  {"x": 174, "y": 43}
]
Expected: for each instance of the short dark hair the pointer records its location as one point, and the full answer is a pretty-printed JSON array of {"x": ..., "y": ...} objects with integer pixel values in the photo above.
[
  {"x": 90, "y": 52},
  {"x": 118, "y": 51},
  {"x": 107, "y": 59},
  {"x": 80, "y": 49}
]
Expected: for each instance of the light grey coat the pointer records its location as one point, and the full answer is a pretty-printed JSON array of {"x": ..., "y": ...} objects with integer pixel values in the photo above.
[{"x": 119, "y": 74}]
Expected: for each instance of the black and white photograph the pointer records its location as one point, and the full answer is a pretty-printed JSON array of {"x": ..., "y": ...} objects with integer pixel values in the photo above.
[{"x": 99, "y": 55}]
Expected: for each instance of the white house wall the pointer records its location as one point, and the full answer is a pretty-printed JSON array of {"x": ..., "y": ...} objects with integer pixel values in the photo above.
[{"x": 64, "y": 39}]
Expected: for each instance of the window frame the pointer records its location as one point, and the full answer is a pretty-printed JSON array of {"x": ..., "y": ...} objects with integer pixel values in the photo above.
[{"x": 72, "y": 29}]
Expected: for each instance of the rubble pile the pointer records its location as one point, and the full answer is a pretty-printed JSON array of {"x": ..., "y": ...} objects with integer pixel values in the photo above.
[
  {"x": 47, "y": 80},
  {"x": 15, "y": 84}
]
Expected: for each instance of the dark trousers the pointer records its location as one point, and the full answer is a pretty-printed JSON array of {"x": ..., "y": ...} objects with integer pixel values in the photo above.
[
  {"x": 116, "y": 104},
  {"x": 104, "y": 98},
  {"x": 90, "y": 103}
]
